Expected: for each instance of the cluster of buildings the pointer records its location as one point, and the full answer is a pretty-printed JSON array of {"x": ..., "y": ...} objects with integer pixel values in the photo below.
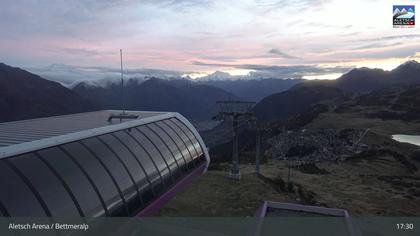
[{"x": 305, "y": 146}]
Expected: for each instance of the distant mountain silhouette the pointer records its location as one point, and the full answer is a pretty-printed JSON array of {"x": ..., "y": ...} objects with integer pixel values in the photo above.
[
  {"x": 364, "y": 80},
  {"x": 252, "y": 89},
  {"x": 301, "y": 97},
  {"x": 367, "y": 80},
  {"x": 406, "y": 73},
  {"x": 195, "y": 101},
  {"x": 295, "y": 101},
  {"x": 24, "y": 95}
]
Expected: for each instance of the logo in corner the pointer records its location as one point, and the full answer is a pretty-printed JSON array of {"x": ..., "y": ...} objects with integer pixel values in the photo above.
[{"x": 404, "y": 16}]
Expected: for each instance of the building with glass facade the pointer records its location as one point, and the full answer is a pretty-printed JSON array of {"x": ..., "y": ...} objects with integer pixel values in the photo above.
[{"x": 88, "y": 165}]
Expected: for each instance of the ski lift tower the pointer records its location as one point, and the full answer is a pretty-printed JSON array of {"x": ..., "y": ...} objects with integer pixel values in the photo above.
[{"x": 235, "y": 111}]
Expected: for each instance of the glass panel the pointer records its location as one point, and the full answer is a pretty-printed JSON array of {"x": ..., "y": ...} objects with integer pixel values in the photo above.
[
  {"x": 170, "y": 144},
  {"x": 163, "y": 149},
  {"x": 116, "y": 169},
  {"x": 184, "y": 137},
  {"x": 190, "y": 135},
  {"x": 18, "y": 192},
  {"x": 99, "y": 176},
  {"x": 154, "y": 154},
  {"x": 178, "y": 141},
  {"x": 47, "y": 184},
  {"x": 80, "y": 186},
  {"x": 131, "y": 167},
  {"x": 141, "y": 155}
]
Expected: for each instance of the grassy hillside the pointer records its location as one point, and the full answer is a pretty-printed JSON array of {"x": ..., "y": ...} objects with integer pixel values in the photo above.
[{"x": 381, "y": 180}]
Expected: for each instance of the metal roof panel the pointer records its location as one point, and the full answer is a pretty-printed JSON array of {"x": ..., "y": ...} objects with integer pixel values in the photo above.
[{"x": 36, "y": 130}]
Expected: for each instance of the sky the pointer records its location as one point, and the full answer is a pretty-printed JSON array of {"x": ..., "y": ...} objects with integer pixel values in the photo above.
[{"x": 312, "y": 39}]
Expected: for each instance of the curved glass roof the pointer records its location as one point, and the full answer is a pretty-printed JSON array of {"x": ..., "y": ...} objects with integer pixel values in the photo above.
[{"x": 102, "y": 171}]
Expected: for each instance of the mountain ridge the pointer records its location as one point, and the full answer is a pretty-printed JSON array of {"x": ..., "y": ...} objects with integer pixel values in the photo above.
[
  {"x": 299, "y": 98},
  {"x": 195, "y": 101},
  {"x": 24, "y": 95}
]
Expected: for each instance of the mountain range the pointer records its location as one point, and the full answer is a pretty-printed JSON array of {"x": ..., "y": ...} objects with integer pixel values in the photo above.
[
  {"x": 195, "y": 101},
  {"x": 300, "y": 98},
  {"x": 25, "y": 95},
  {"x": 367, "y": 80}
]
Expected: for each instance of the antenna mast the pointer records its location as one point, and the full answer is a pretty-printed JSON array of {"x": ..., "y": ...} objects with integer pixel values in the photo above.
[
  {"x": 122, "y": 85},
  {"x": 124, "y": 115}
]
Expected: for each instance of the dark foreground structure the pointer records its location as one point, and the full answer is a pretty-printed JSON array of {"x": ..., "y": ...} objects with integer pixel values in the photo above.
[
  {"x": 310, "y": 220},
  {"x": 87, "y": 165}
]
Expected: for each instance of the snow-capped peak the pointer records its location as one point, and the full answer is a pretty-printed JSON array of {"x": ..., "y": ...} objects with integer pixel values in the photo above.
[{"x": 217, "y": 75}]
